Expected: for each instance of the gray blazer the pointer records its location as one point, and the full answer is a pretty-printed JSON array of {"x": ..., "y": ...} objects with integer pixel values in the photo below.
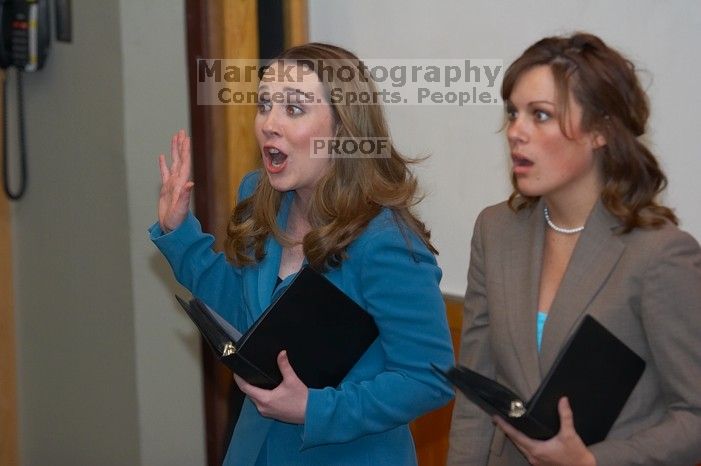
[{"x": 644, "y": 286}]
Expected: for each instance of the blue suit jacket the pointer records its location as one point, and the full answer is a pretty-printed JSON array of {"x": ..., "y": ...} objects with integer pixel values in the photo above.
[{"x": 363, "y": 421}]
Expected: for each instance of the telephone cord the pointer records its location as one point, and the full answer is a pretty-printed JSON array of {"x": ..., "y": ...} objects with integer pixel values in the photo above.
[{"x": 16, "y": 195}]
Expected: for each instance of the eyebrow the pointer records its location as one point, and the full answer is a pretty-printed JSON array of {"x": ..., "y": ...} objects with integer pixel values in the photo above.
[
  {"x": 294, "y": 91},
  {"x": 533, "y": 102},
  {"x": 289, "y": 90},
  {"x": 540, "y": 102},
  {"x": 509, "y": 105}
]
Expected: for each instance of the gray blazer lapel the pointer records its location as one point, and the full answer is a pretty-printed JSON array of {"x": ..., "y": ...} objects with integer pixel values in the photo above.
[
  {"x": 522, "y": 274},
  {"x": 594, "y": 257}
]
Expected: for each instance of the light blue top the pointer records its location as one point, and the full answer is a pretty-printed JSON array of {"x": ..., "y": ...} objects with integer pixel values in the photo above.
[
  {"x": 363, "y": 421},
  {"x": 540, "y": 324}
]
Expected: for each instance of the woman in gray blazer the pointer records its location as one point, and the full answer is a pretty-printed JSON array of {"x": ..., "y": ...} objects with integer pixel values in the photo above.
[{"x": 582, "y": 233}]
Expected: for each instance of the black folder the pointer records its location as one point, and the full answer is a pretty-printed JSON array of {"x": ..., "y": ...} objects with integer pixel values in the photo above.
[
  {"x": 595, "y": 370},
  {"x": 323, "y": 331}
]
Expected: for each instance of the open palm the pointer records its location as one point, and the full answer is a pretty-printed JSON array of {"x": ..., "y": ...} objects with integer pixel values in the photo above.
[{"x": 176, "y": 187}]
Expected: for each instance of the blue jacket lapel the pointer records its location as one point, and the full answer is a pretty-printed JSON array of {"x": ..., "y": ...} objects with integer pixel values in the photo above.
[{"x": 269, "y": 267}]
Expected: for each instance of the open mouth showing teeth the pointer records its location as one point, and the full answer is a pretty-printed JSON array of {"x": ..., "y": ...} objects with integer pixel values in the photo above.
[{"x": 277, "y": 158}]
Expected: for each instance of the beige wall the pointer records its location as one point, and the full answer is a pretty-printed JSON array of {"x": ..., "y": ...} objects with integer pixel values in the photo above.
[
  {"x": 108, "y": 368},
  {"x": 170, "y": 397}
]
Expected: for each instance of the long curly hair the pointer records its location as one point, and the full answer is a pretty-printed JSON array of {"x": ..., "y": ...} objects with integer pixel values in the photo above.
[
  {"x": 352, "y": 192},
  {"x": 614, "y": 104}
]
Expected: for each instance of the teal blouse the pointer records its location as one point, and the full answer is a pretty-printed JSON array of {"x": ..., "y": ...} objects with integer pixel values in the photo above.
[{"x": 540, "y": 324}]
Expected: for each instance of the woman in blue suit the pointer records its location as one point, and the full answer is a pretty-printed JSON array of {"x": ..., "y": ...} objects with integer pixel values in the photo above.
[{"x": 348, "y": 216}]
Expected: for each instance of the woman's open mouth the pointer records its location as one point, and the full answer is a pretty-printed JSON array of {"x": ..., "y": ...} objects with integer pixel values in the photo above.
[
  {"x": 275, "y": 160},
  {"x": 520, "y": 163}
]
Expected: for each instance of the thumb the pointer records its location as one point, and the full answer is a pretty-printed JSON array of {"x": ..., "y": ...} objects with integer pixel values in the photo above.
[
  {"x": 566, "y": 416},
  {"x": 187, "y": 191},
  {"x": 182, "y": 199},
  {"x": 284, "y": 364}
]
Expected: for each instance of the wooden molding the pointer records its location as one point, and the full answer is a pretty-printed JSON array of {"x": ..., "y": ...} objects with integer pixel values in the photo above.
[
  {"x": 232, "y": 151},
  {"x": 296, "y": 22},
  {"x": 239, "y": 40},
  {"x": 9, "y": 450}
]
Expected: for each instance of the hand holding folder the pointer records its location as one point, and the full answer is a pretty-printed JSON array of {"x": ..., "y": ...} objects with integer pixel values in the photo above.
[
  {"x": 323, "y": 331},
  {"x": 595, "y": 370}
]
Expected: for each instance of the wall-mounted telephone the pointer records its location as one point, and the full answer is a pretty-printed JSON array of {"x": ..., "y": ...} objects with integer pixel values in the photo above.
[
  {"x": 24, "y": 42},
  {"x": 26, "y": 33}
]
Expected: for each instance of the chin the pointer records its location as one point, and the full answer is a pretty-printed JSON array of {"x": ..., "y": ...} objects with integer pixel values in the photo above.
[
  {"x": 529, "y": 191},
  {"x": 279, "y": 184}
]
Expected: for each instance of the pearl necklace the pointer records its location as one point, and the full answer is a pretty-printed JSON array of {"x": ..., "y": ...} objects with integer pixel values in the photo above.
[{"x": 566, "y": 231}]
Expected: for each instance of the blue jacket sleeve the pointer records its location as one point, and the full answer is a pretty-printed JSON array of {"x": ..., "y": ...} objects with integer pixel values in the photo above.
[
  {"x": 208, "y": 275},
  {"x": 400, "y": 289}
]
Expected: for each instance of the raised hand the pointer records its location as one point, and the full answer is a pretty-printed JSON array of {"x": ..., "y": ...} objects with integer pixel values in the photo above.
[
  {"x": 176, "y": 187},
  {"x": 287, "y": 402},
  {"x": 565, "y": 449}
]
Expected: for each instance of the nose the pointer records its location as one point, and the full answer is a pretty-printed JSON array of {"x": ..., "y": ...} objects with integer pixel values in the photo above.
[
  {"x": 271, "y": 124},
  {"x": 516, "y": 131}
]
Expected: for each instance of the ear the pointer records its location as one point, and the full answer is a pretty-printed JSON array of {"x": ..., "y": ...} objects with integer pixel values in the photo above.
[{"x": 597, "y": 140}]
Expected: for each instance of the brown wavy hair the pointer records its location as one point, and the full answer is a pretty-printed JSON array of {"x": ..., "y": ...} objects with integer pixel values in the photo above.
[
  {"x": 352, "y": 192},
  {"x": 605, "y": 84}
]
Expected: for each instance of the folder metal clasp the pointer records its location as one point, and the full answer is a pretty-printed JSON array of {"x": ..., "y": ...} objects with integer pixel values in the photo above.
[
  {"x": 229, "y": 349},
  {"x": 517, "y": 409}
]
